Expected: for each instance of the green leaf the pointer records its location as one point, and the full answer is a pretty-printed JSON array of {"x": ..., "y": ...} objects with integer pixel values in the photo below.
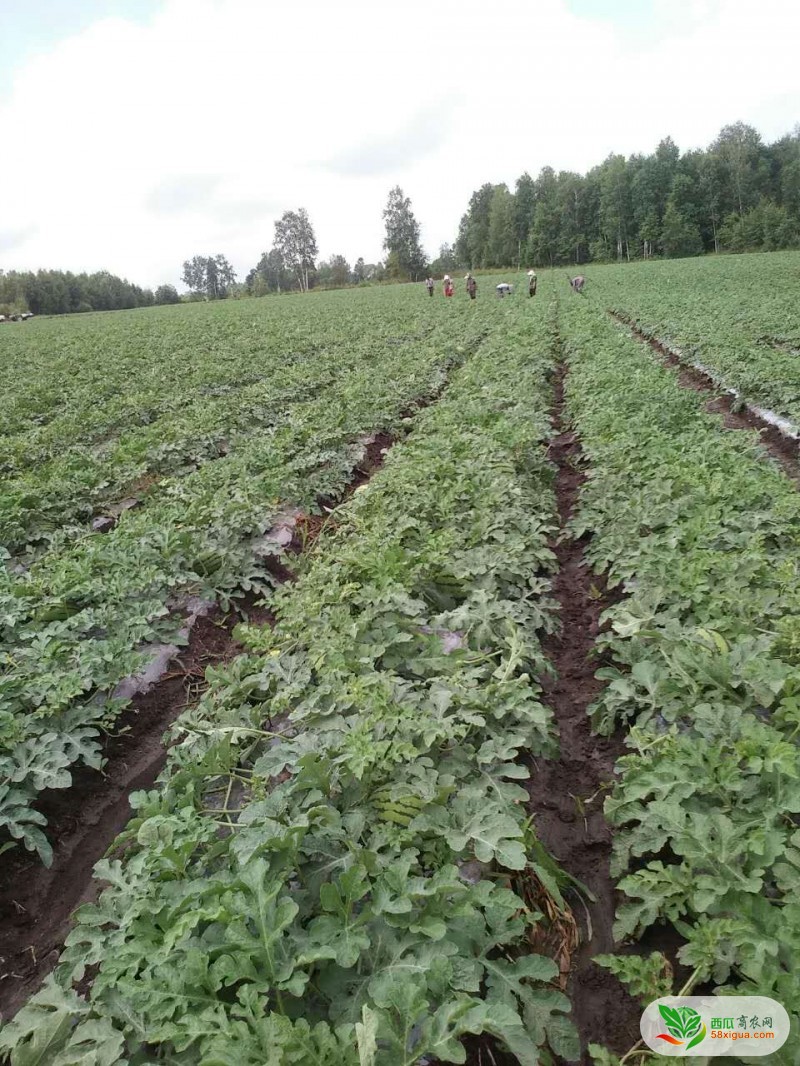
[{"x": 42, "y": 1028}]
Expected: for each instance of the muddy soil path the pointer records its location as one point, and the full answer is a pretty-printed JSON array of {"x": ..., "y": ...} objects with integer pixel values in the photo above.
[
  {"x": 567, "y": 794},
  {"x": 37, "y": 903},
  {"x": 784, "y": 450}
]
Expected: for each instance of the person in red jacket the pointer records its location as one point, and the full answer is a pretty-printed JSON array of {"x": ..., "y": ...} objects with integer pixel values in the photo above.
[{"x": 448, "y": 285}]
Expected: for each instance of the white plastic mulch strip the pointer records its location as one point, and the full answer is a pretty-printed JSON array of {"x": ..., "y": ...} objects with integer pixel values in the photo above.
[
  {"x": 782, "y": 424},
  {"x": 269, "y": 544},
  {"x": 787, "y": 428}
]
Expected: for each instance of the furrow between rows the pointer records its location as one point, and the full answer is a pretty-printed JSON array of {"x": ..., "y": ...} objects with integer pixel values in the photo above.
[
  {"x": 777, "y": 436},
  {"x": 701, "y": 673},
  {"x": 567, "y": 793},
  {"x": 328, "y": 866},
  {"x": 37, "y": 902}
]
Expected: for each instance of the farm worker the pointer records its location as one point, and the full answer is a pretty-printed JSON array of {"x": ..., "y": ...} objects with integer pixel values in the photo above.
[
  {"x": 577, "y": 283},
  {"x": 429, "y": 286},
  {"x": 448, "y": 285},
  {"x": 503, "y": 289},
  {"x": 472, "y": 286},
  {"x": 531, "y": 283}
]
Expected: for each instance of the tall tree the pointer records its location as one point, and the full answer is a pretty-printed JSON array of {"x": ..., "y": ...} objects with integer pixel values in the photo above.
[
  {"x": 738, "y": 147},
  {"x": 209, "y": 275},
  {"x": 648, "y": 210},
  {"x": 195, "y": 274},
  {"x": 472, "y": 243},
  {"x": 225, "y": 276},
  {"x": 502, "y": 241},
  {"x": 572, "y": 243},
  {"x": 297, "y": 245},
  {"x": 406, "y": 258},
  {"x": 543, "y": 241},
  {"x": 704, "y": 171},
  {"x": 615, "y": 208},
  {"x": 680, "y": 235},
  {"x": 524, "y": 201}
]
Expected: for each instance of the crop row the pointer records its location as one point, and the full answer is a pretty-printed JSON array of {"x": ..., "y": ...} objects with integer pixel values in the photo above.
[
  {"x": 53, "y": 501},
  {"x": 170, "y": 414},
  {"x": 703, "y": 533},
  {"x": 736, "y": 317},
  {"x": 91, "y": 378},
  {"x": 85, "y": 613},
  {"x": 327, "y": 872}
]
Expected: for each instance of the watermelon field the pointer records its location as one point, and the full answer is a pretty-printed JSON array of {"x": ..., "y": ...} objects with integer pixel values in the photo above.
[{"x": 388, "y": 680}]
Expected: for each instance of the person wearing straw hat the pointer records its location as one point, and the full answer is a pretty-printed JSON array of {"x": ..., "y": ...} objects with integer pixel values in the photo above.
[
  {"x": 448, "y": 285},
  {"x": 472, "y": 286},
  {"x": 531, "y": 283}
]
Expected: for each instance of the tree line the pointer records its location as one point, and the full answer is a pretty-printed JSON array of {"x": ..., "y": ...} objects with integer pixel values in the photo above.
[
  {"x": 738, "y": 194},
  {"x": 60, "y": 292},
  {"x": 291, "y": 263}
]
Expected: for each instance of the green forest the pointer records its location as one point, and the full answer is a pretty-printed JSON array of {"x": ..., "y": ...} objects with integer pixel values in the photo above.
[
  {"x": 60, "y": 292},
  {"x": 737, "y": 195}
]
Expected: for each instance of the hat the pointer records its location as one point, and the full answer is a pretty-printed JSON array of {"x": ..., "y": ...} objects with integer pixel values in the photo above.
[
  {"x": 531, "y": 273},
  {"x": 446, "y": 277}
]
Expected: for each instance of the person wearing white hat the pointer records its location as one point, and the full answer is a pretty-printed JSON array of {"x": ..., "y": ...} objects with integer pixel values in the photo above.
[
  {"x": 531, "y": 283},
  {"x": 448, "y": 285},
  {"x": 472, "y": 286}
]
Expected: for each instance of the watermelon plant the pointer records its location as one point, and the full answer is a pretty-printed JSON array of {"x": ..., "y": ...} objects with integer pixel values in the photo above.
[
  {"x": 703, "y": 532},
  {"x": 335, "y": 865},
  {"x": 735, "y": 316},
  {"x": 329, "y": 870},
  {"x": 81, "y": 614}
]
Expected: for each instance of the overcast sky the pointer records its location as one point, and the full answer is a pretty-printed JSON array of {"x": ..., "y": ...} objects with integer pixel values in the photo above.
[{"x": 137, "y": 133}]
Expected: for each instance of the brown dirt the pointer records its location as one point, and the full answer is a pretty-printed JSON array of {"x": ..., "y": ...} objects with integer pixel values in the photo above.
[
  {"x": 784, "y": 450},
  {"x": 567, "y": 793},
  {"x": 36, "y": 904},
  {"x": 372, "y": 460}
]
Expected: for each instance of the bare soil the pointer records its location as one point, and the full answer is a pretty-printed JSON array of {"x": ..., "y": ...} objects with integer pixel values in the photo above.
[
  {"x": 784, "y": 450},
  {"x": 36, "y": 904},
  {"x": 567, "y": 793}
]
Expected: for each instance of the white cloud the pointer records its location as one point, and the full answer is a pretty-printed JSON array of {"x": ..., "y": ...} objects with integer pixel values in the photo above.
[{"x": 135, "y": 146}]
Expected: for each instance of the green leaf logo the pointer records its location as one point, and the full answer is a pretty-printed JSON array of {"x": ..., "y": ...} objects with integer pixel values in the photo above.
[
  {"x": 683, "y": 1023},
  {"x": 700, "y": 1036}
]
